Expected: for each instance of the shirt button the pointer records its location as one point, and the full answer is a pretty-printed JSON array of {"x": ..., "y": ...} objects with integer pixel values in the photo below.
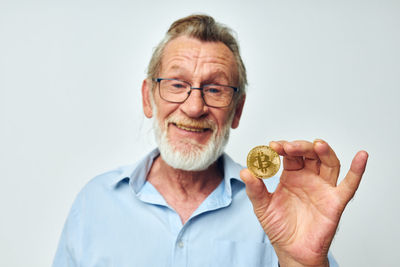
[{"x": 180, "y": 244}]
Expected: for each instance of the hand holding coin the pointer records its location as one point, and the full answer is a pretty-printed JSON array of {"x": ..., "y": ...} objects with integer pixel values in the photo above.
[{"x": 301, "y": 215}]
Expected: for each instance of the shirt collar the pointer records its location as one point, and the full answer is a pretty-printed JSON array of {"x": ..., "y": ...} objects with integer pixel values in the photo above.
[
  {"x": 136, "y": 174},
  {"x": 231, "y": 173}
]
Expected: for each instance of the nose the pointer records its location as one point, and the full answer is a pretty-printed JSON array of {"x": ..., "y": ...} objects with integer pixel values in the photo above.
[{"x": 194, "y": 106}]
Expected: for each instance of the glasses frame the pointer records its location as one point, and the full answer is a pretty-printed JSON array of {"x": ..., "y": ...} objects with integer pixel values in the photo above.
[{"x": 158, "y": 80}]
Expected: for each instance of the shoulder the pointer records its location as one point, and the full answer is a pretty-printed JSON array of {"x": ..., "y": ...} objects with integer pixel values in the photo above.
[
  {"x": 100, "y": 188},
  {"x": 110, "y": 178},
  {"x": 106, "y": 185}
]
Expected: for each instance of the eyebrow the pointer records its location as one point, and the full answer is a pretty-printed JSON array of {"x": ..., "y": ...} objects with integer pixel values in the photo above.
[
  {"x": 180, "y": 72},
  {"x": 176, "y": 68},
  {"x": 218, "y": 75}
]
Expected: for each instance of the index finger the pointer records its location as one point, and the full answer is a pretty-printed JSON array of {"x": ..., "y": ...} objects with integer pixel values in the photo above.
[
  {"x": 330, "y": 164},
  {"x": 297, "y": 155}
]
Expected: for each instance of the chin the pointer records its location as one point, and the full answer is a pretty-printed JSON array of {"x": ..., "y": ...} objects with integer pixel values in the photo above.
[{"x": 187, "y": 154}]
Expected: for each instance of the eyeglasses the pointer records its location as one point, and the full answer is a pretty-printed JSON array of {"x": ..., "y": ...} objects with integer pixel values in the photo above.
[{"x": 177, "y": 91}]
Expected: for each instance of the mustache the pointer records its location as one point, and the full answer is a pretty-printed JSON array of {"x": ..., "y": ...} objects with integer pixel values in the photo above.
[{"x": 193, "y": 123}]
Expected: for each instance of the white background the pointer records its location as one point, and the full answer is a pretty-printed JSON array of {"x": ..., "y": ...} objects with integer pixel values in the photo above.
[{"x": 70, "y": 107}]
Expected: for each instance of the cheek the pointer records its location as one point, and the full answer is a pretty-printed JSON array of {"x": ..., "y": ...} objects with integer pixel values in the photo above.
[
  {"x": 163, "y": 111},
  {"x": 223, "y": 120}
]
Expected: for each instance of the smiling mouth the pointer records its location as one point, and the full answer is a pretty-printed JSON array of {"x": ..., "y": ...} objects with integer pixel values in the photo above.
[{"x": 191, "y": 128}]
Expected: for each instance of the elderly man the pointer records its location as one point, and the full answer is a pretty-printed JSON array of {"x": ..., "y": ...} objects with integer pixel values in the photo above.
[{"x": 187, "y": 203}]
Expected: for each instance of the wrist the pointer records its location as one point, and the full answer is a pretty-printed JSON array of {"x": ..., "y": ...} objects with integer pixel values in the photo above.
[
  {"x": 289, "y": 261},
  {"x": 297, "y": 264},
  {"x": 293, "y": 264}
]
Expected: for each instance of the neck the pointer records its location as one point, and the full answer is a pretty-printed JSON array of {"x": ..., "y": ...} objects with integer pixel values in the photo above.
[{"x": 184, "y": 190}]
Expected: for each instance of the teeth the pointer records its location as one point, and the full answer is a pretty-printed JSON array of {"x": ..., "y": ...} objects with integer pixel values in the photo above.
[{"x": 196, "y": 130}]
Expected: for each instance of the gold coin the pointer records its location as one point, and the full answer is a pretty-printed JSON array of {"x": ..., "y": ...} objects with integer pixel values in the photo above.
[{"x": 263, "y": 161}]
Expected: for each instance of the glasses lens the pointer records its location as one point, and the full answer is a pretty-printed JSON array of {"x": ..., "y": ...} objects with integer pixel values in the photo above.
[
  {"x": 174, "y": 90},
  {"x": 218, "y": 95}
]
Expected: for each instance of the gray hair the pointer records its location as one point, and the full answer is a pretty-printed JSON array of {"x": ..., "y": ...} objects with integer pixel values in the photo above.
[{"x": 204, "y": 28}]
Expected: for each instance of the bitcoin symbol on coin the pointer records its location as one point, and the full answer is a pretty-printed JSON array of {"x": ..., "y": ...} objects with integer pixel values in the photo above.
[{"x": 263, "y": 161}]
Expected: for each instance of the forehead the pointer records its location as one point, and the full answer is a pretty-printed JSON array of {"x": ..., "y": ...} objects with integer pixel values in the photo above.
[{"x": 189, "y": 56}]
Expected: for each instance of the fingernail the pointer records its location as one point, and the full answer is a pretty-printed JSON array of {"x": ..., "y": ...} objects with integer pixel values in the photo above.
[{"x": 319, "y": 141}]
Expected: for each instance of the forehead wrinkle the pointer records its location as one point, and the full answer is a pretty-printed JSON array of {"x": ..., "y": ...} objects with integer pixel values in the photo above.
[
  {"x": 222, "y": 60},
  {"x": 208, "y": 59}
]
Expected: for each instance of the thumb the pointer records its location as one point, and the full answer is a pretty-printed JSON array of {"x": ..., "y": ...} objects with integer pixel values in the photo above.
[
  {"x": 256, "y": 191},
  {"x": 350, "y": 183}
]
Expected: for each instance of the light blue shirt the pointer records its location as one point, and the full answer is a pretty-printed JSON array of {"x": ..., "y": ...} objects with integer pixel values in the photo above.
[{"x": 119, "y": 219}]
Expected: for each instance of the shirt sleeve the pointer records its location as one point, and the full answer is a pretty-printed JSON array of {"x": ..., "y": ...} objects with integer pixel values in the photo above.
[
  {"x": 68, "y": 247},
  {"x": 332, "y": 261}
]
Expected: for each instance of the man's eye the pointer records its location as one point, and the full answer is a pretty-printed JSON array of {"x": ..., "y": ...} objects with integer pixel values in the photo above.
[
  {"x": 178, "y": 85},
  {"x": 214, "y": 90}
]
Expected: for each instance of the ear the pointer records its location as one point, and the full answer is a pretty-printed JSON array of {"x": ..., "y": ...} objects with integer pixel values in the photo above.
[
  {"x": 238, "y": 112},
  {"x": 146, "y": 98}
]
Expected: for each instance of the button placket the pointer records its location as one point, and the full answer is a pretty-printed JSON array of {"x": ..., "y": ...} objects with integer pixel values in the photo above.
[{"x": 181, "y": 246}]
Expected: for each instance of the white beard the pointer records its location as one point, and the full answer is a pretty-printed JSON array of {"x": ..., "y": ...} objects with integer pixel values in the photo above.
[{"x": 187, "y": 154}]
